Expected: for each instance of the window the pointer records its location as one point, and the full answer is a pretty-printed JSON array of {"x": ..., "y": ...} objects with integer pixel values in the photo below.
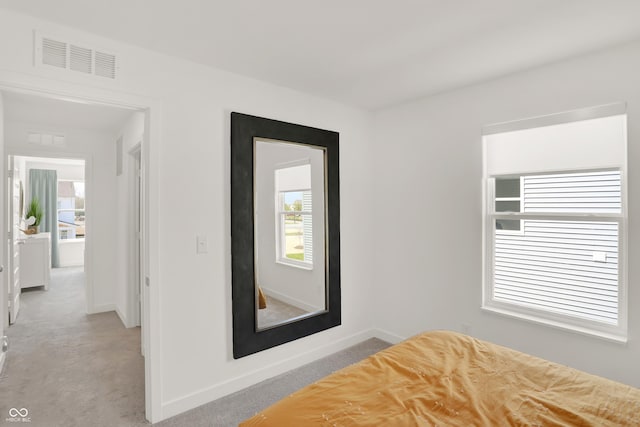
[
  {"x": 71, "y": 199},
  {"x": 294, "y": 213},
  {"x": 507, "y": 191},
  {"x": 555, "y": 223}
]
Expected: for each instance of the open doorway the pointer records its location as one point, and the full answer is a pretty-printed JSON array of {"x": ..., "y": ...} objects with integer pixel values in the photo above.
[{"x": 91, "y": 252}]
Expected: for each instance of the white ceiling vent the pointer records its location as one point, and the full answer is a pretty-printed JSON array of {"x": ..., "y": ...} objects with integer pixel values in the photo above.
[{"x": 57, "y": 53}]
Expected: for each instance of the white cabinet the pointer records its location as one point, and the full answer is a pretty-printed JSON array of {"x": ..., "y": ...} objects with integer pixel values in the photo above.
[{"x": 35, "y": 260}]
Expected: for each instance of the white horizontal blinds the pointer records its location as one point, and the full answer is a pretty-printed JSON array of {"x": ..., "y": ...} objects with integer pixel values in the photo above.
[
  {"x": 587, "y": 192},
  {"x": 559, "y": 264},
  {"x": 552, "y": 267},
  {"x": 307, "y": 226}
]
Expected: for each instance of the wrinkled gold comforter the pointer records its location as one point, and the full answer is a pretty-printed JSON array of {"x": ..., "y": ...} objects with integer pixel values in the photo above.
[{"x": 448, "y": 379}]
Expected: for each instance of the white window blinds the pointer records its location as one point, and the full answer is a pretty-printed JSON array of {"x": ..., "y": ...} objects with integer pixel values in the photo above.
[{"x": 562, "y": 261}]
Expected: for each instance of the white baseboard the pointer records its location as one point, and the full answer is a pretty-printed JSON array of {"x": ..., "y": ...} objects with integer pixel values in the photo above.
[
  {"x": 291, "y": 301},
  {"x": 193, "y": 400},
  {"x": 101, "y": 308},
  {"x": 387, "y": 336},
  {"x": 122, "y": 317}
]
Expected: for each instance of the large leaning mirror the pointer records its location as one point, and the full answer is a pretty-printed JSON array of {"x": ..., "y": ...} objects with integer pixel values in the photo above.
[{"x": 285, "y": 246}]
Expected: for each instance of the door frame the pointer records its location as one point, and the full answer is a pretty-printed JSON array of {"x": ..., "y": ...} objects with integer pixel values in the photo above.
[
  {"x": 39, "y": 86},
  {"x": 135, "y": 224}
]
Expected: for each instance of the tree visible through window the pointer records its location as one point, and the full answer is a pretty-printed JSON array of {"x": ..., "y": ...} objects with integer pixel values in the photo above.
[{"x": 71, "y": 214}]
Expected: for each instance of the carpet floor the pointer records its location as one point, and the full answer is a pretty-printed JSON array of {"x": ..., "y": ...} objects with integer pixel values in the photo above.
[
  {"x": 231, "y": 410},
  {"x": 69, "y": 369}
]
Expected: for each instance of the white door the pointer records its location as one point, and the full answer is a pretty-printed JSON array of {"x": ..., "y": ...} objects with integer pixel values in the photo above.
[{"x": 16, "y": 202}]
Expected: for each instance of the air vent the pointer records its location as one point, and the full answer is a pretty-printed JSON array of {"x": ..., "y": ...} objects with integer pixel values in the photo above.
[
  {"x": 81, "y": 59},
  {"x": 105, "y": 65},
  {"x": 54, "y": 52}
]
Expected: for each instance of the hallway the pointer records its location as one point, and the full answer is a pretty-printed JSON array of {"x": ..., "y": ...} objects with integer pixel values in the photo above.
[{"x": 68, "y": 368}]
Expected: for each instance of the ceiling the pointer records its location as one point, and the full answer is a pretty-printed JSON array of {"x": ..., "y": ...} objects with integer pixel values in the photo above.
[
  {"x": 63, "y": 114},
  {"x": 366, "y": 53}
]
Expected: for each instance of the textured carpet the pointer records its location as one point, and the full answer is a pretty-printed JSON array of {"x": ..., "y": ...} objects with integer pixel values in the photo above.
[
  {"x": 71, "y": 369},
  {"x": 68, "y": 368},
  {"x": 277, "y": 312},
  {"x": 230, "y": 410}
]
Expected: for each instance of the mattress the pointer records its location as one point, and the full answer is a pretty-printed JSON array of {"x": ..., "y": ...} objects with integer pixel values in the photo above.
[{"x": 444, "y": 378}]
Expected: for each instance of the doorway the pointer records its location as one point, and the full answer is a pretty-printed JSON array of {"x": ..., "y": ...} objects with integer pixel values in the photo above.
[{"x": 19, "y": 143}]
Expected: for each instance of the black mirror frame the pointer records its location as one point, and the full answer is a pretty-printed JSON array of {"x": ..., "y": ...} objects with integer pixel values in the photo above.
[{"x": 246, "y": 338}]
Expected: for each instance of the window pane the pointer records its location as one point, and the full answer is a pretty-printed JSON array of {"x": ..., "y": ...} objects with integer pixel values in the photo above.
[
  {"x": 508, "y": 206},
  {"x": 508, "y": 224},
  {"x": 565, "y": 267},
  {"x": 294, "y": 237},
  {"x": 292, "y": 201},
  {"x": 584, "y": 192},
  {"x": 71, "y": 217},
  {"x": 507, "y": 187}
]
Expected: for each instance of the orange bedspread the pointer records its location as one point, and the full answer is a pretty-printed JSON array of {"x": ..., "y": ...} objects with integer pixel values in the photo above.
[{"x": 448, "y": 379}]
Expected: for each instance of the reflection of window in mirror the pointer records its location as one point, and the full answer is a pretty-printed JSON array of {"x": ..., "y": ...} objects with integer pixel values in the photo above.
[{"x": 294, "y": 216}]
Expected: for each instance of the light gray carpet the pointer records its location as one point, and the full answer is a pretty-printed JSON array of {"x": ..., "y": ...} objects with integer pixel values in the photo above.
[
  {"x": 277, "y": 312},
  {"x": 72, "y": 369},
  {"x": 69, "y": 368},
  {"x": 230, "y": 410}
]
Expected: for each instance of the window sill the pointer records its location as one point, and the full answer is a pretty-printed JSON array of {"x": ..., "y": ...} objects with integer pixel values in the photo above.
[
  {"x": 296, "y": 264},
  {"x": 583, "y": 330}
]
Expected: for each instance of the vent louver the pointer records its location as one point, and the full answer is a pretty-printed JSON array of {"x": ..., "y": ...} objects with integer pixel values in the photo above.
[
  {"x": 54, "y": 53},
  {"x": 105, "y": 65},
  {"x": 81, "y": 59},
  {"x": 60, "y": 54}
]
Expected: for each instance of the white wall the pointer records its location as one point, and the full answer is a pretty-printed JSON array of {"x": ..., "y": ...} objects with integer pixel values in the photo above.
[
  {"x": 190, "y": 189},
  {"x": 131, "y": 134},
  {"x": 97, "y": 150},
  {"x": 429, "y": 158},
  {"x": 302, "y": 287}
]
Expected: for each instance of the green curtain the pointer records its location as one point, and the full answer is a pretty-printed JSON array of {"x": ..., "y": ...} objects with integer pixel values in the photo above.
[{"x": 43, "y": 184}]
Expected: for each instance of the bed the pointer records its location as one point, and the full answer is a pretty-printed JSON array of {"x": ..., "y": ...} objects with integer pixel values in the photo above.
[{"x": 443, "y": 378}]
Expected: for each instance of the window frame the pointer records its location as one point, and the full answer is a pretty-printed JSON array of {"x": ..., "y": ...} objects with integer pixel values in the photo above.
[
  {"x": 281, "y": 237},
  {"x": 615, "y": 333},
  {"x": 519, "y": 232}
]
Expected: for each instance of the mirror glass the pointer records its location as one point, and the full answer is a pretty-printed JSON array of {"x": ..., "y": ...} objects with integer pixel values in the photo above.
[{"x": 289, "y": 222}]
